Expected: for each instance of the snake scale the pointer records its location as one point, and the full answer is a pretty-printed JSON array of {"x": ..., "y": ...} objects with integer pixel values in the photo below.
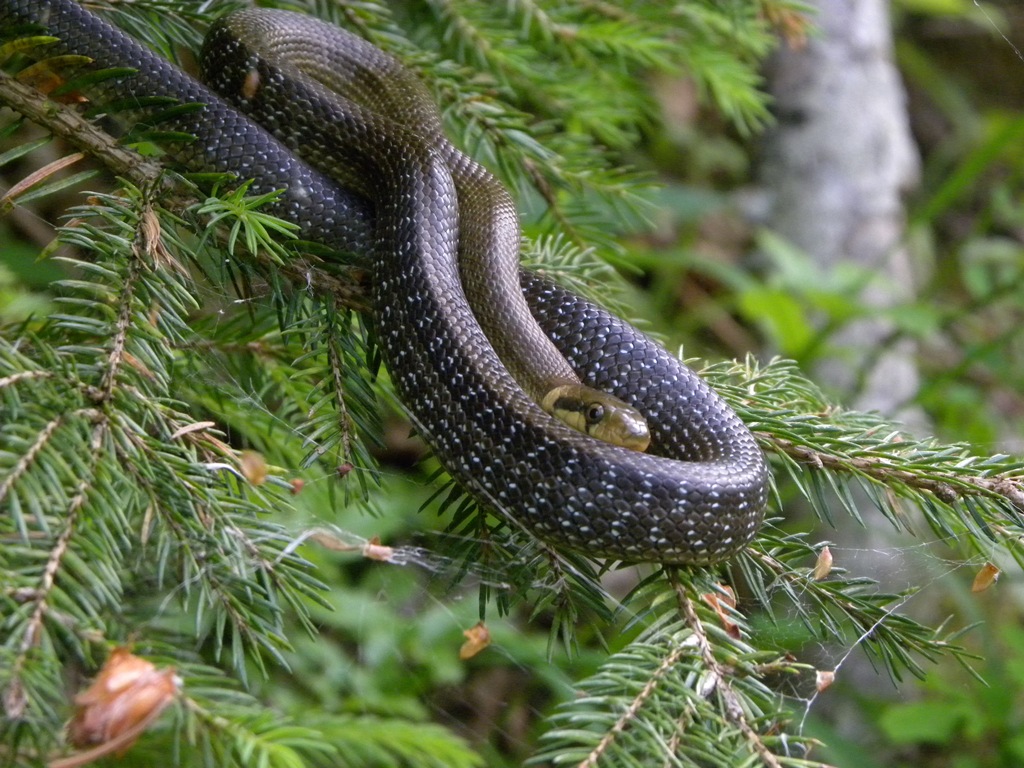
[{"x": 696, "y": 497}]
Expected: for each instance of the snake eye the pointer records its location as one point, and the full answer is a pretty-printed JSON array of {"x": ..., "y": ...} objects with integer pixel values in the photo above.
[{"x": 595, "y": 412}]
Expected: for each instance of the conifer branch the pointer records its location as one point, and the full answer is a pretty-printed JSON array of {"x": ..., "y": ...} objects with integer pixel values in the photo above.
[
  {"x": 945, "y": 485},
  {"x": 632, "y": 711},
  {"x": 14, "y": 378},
  {"x": 31, "y": 632},
  {"x": 70, "y": 125},
  {"x": 123, "y": 324},
  {"x": 720, "y": 679},
  {"x": 29, "y": 456},
  {"x": 336, "y": 363}
]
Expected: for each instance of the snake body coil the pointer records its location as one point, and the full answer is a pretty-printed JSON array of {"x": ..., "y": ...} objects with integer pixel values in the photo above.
[
  {"x": 696, "y": 497},
  {"x": 342, "y": 104}
]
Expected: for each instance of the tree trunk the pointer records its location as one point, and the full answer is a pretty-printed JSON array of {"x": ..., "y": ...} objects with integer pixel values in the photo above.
[{"x": 837, "y": 165}]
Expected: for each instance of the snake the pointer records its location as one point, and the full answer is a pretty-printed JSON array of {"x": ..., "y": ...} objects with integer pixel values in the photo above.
[
  {"x": 355, "y": 105},
  {"x": 390, "y": 195}
]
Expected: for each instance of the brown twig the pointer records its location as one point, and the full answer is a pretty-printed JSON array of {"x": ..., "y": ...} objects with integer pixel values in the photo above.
[
  {"x": 634, "y": 707},
  {"x": 721, "y": 676},
  {"x": 14, "y": 700},
  {"x": 337, "y": 364},
  {"x": 26, "y": 460},
  {"x": 945, "y": 486},
  {"x": 79, "y": 132}
]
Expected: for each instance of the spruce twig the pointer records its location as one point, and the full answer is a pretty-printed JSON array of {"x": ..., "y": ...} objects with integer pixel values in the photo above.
[
  {"x": 946, "y": 485},
  {"x": 720, "y": 680},
  {"x": 73, "y": 127}
]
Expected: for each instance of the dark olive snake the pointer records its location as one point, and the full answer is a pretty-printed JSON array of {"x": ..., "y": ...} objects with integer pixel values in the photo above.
[{"x": 400, "y": 196}]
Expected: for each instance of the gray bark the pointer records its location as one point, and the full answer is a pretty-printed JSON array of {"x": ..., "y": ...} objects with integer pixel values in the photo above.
[{"x": 837, "y": 165}]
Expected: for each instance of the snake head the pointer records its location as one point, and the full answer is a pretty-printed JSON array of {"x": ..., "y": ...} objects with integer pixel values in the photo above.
[{"x": 598, "y": 414}]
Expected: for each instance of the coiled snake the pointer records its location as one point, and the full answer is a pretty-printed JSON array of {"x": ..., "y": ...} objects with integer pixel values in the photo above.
[{"x": 697, "y": 496}]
